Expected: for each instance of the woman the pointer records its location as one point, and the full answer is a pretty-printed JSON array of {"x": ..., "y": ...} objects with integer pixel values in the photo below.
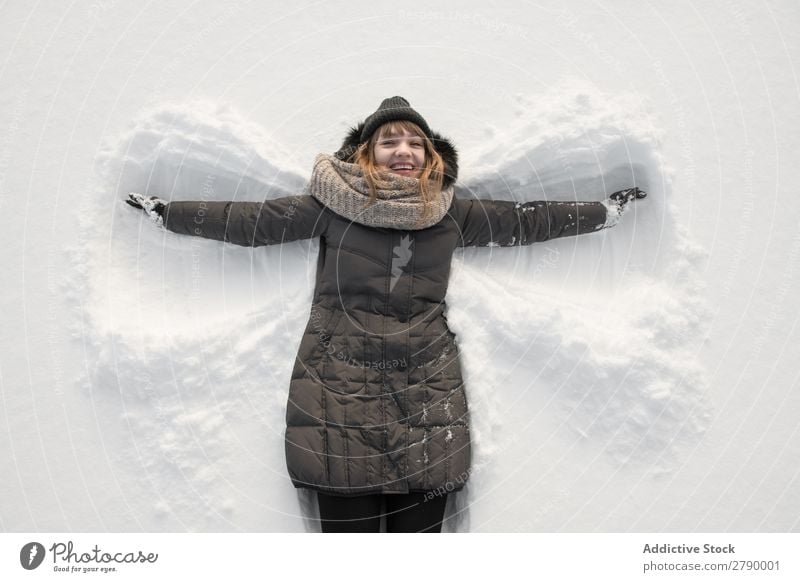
[{"x": 377, "y": 411}]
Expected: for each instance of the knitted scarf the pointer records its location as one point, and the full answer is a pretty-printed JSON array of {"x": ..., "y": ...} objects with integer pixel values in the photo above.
[{"x": 343, "y": 188}]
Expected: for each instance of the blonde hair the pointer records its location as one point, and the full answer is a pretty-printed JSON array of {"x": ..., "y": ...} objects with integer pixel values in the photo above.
[{"x": 431, "y": 178}]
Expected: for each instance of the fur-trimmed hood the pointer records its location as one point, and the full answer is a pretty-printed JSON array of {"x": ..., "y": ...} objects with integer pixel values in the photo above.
[{"x": 442, "y": 145}]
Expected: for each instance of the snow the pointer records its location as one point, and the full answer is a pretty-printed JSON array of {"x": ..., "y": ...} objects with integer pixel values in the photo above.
[{"x": 640, "y": 378}]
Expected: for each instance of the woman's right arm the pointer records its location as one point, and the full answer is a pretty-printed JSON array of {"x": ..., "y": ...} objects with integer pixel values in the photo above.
[{"x": 249, "y": 224}]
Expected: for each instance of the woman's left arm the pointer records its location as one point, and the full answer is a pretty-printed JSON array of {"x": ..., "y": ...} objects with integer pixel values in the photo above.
[{"x": 506, "y": 223}]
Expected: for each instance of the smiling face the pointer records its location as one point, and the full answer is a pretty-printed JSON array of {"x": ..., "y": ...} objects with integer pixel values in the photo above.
[{"x": 400, "y": 152}]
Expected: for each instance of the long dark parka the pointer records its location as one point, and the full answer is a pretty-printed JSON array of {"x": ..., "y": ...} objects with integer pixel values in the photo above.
[{"x": 376, "y": 401}]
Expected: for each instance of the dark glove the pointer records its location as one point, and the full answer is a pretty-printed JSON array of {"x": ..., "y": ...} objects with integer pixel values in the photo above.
[
  {"x": 623, "y": 197},
  {"x": 616, "y": 204},
  {"x": 154, "y": 207}
]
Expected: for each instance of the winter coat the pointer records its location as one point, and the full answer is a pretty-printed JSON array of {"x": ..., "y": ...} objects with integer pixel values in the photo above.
[{"x": 376, "y": 399}]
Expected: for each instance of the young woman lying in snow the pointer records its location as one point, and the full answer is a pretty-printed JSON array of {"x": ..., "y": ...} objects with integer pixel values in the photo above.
[{"x": 377, "y": 418}]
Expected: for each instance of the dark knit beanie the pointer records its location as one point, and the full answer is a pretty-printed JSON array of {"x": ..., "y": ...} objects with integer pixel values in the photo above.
[
  {"x": 393, "y": 109},
  {"x": 398, "y": 109}
]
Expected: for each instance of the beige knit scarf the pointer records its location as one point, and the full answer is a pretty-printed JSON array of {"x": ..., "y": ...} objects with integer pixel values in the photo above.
[{"x": 343, "y": 188}]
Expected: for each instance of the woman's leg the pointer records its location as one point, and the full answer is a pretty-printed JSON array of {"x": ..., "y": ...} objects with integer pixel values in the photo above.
[
  {"x": 415, "y": 512},
  {"x": 349, "y": 514}
]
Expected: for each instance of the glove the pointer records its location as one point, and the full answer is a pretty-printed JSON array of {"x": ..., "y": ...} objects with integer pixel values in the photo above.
[
  {"x": 154, "y": 207},
  {"x": 623, "y": 197},
  {"x": 616, "y": 204}
]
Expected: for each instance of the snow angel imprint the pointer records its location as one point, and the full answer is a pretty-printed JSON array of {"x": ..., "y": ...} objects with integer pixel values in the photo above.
[{"x": 377, "y": 418}]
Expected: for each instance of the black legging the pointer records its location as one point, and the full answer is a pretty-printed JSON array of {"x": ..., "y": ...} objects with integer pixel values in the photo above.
[{"x": 411, "y": 512}]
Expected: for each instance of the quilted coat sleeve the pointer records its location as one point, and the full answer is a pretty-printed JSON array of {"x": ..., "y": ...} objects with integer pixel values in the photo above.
[
  {"x": 249, "y": 224},
  {"x": 506, "y": 223}
]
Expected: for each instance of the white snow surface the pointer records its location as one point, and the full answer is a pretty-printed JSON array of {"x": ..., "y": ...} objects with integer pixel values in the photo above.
[{"x": 639, "y": 378}]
